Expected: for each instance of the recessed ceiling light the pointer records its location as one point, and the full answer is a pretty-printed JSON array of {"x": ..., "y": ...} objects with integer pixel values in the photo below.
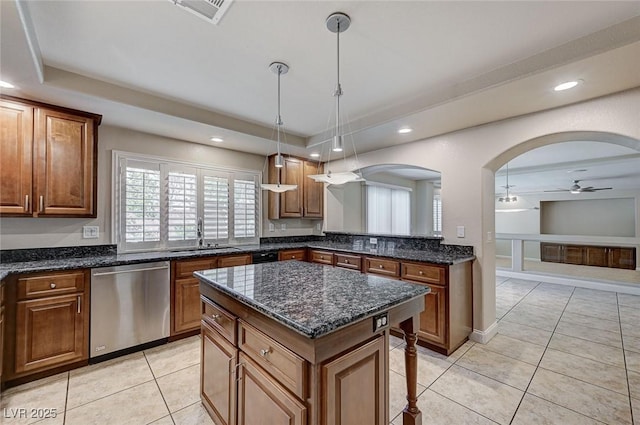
[
  {"x": 217, "y": 139},
  {"x": 405, "y": 130},
  {"x": 567, "y": 85},
  {"x": 314, "y": 154},
  {"x": 6, "y": 85}
]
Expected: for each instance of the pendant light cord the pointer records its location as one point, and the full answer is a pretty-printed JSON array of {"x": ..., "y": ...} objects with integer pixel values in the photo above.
[{"x": 338, "y": 91}]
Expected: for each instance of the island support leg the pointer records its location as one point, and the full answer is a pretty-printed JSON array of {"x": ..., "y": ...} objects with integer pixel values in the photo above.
[{"x": 411, "y": 415}]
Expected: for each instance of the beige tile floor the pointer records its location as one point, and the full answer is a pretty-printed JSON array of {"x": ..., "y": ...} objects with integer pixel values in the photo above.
[{"x": 563, "y": 355}]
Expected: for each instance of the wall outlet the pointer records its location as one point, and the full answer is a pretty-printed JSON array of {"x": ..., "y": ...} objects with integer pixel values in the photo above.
[
  {"x": 373, "y": 241},
  {"x": 283, "y": 226},
  {"x": 380, "y": 321},
  {"x": 319, "y": 226},
  {"x": 90, "y": 232},
  {"x": 460, "y": 231},
  {"x": 272, "y": 227}
]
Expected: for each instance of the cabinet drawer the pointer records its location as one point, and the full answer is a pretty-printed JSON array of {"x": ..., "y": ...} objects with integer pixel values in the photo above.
[
  {"x": 50, "y": 285},
  {"x": 348, "y": 261},
  {"x": 424, "y": 273},
  {"x": 220, "y": 319},
  {"x": 381, "y": 266},
  {"x": 185, "y": 268},
  {"x": 284, "y": 365},
  {"x": 292, "y": 254},
  {"x": 322, "y": 257},
  {"x": 234, "y": 260}
]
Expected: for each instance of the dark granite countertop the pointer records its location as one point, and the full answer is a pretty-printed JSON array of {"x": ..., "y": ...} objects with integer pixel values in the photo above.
[
  {"x": 443, "y": 256},
  {"x": 311, "y": 299}
]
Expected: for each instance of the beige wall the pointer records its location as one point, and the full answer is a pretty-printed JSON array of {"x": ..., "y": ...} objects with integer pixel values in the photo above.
[
  {"x": 589, "y": 217},
  {"x": 469, "y": 158}
]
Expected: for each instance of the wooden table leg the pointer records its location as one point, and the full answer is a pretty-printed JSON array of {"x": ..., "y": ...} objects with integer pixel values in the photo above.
[{"x": 411, "y": 415}]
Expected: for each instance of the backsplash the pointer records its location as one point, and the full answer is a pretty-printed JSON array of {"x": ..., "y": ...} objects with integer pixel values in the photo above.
[{"x": 421, "y": 243}]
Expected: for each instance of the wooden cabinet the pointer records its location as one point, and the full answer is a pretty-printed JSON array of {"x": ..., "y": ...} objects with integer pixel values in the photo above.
[
  {"x": 322, "y": 257},
  {"x": 52, "y": 153},
  {"x": 304, "y": 202},
  {"x": 355, "y": 385},
  {"x": 292, "y": 254},
  {"x": 433, "y": 320},
  {"x": 1, "y": 328},
  {"x": 382, "y": 266},
  {"x": 185, "y": 291},
  {"x": 51, "y": 322},
  {"x": 348, "y": 261},
  {"x": 218, "y": 384},
  {"x": 589, "y": 255}
]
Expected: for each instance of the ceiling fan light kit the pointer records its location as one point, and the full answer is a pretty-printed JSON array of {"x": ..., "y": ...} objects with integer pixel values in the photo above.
[{"x": 576, "y": 189}]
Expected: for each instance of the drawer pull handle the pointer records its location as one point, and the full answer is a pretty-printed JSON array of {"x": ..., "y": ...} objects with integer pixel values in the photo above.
[
  {"x": 381, "y": 266},
  {"x": 265, "y": 351},
  {"x": 52, "y": 285},
  {"x": 79, "y": 302},
  {"x": 26, "y": 203},
  {"x": 41, "y": 204},
  {"x": 216, "y": 317}
]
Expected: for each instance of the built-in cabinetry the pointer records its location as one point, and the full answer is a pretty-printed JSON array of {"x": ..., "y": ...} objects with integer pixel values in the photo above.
[
  {"x": 1, "y": 326},
  {"x": 47, "y": 322},
  {"x": 446, "y": 322},
  {"x": 304, "y": 202},
  {"x": 589, "y": 255},
  {"x": 185, "y": 293},
  {"x": 48, "y": 160},
  {"x": 247, "y": 375},
  {"x": 292, "y": 254}
]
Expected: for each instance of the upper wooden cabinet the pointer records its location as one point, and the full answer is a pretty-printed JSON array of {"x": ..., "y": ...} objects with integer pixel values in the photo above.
[
  {"x": 304, "y": 202},
  {"x": 48, "y": 160}
]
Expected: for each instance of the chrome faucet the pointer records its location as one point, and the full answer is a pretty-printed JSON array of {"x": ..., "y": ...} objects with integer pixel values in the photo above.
[{"x": 200, "y": 233}]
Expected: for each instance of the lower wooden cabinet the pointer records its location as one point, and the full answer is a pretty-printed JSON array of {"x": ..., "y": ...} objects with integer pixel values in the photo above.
[
  {"x": 49, "y": 318},
  {"x": 292, "y": 254},
  {"x": 433, "y": 320},
  {"x": 218, "y": 384},
  {"x": 262, "y": 400},
  {"x": 1, "y": 327},
  {"x": 354, "y": 386},
  {"x": 589, "y": 255},
  {"x": 322, "y": 257},
  {"x": 185, "y": 289}
]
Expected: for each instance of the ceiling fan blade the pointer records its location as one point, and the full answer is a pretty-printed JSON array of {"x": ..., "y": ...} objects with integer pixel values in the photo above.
[
  {"x": 600, "y": 188},
  {"x": 558, "y": 190},
  {"x": 584, "y": 189}
]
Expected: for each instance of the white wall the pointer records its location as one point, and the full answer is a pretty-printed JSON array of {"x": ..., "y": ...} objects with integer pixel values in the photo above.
[
  {"x": 424, "y": 208},
  {"x": 468, "y": 183}
]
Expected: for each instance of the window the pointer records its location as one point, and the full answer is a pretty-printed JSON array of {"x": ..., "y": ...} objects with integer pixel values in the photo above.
[
  {"x": 160, "y": 204},
  {"x": 388, "y": 210},
  {"x": 437, "y": 215}
]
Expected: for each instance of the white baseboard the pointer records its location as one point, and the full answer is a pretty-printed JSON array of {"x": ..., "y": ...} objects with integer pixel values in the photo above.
[
  {"x": 484, "y": 336},
  {"x": 622, "y": 287}
]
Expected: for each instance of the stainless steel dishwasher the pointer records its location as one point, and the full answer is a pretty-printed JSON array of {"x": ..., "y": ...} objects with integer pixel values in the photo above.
[{"x": 129, "y": 306}]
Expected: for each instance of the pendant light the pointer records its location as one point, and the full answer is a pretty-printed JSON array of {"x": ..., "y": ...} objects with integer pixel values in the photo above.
[
  {"x": 278, "y": 68},
  {"x": 337, "y": 23},
  {"x": 508, "y": 198}
]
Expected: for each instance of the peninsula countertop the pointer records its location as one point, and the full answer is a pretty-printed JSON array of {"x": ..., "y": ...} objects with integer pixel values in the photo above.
[
  {"x": 311, "y": 299},
  {"x": 71, "y": 261}
]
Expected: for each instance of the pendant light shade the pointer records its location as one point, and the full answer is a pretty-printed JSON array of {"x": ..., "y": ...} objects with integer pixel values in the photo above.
[
  {"x": 278, "y": 68},
  {"x": 337, "y": 23}
]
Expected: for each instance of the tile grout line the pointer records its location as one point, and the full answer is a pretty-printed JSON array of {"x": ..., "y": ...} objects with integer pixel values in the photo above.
[
  {"x": 66, "y": 399},
  {"x": 624, "y": 358},
  {"x": 155, "y": 380}
]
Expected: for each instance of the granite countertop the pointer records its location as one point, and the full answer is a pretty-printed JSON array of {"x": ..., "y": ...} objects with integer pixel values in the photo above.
[
  {"x": 442, "y": 256},
  {"x": 312, "y": 299}
]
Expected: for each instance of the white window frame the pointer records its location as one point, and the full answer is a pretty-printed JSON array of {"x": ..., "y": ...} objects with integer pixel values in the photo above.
[{"x": 122, "y": 157}]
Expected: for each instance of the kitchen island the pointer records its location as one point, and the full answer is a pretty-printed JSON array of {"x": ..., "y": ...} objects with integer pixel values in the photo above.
[{"x": 299, "y": 343}]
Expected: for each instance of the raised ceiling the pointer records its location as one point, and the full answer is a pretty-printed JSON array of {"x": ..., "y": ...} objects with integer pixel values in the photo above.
[{"x": 434, "y": 66}]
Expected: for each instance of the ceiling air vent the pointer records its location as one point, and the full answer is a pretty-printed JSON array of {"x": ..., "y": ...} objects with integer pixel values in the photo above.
[{"x": 209, "y": 10}]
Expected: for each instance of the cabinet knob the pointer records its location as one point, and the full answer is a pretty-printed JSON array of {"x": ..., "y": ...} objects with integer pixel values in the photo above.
[
  {"x": 215, "y": 317},
  {"x": 293, "y": 257},
  {"x": 52, "y": 285},
  {"x": 381, "y": 266},
  {"x": 265, "y": 351},
  {"x": 322, "y": 257},
  {"x": 420, "y": 273},
  {"x": 346, "y": 261}
]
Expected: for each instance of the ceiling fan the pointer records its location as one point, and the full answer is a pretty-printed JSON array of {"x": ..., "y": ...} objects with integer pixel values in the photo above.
[{"x": 576, "y": 188}]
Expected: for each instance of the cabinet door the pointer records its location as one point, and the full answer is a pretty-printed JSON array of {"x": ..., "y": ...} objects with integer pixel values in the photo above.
[
  {"x": 596, "y": 256},
  {"x": 51, "y": 332},
  {"x": 234, "y": 260},
  {"x": 291, "y": 200},
  {"x": 313, "y": 191},
  {"x": 353, "y": 387},
  {"x": 16, "y": 140},
  {"x": 186, "y": 311},
  {"x": 433, "y": 320},
  {"x": 217, "y": 376},
  {"x": 623, "y": 258},
  {"x": 65, "y": 160},
  {"x": 551, "y": 252},
  {"x": 291, "y": 254},
  {"x": 263, "y": 401},
  {"x": 573, "y": 254}
]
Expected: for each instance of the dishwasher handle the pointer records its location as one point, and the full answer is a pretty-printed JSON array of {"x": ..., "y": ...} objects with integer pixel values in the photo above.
[{"x": 130, "y": 271}]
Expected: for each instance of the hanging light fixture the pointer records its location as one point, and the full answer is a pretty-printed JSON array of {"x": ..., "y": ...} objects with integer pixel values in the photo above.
[
  {"x": 508, "y": 198},
  {"x": 337, "y": 23},
  {"x": 278, "y": 68}
]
